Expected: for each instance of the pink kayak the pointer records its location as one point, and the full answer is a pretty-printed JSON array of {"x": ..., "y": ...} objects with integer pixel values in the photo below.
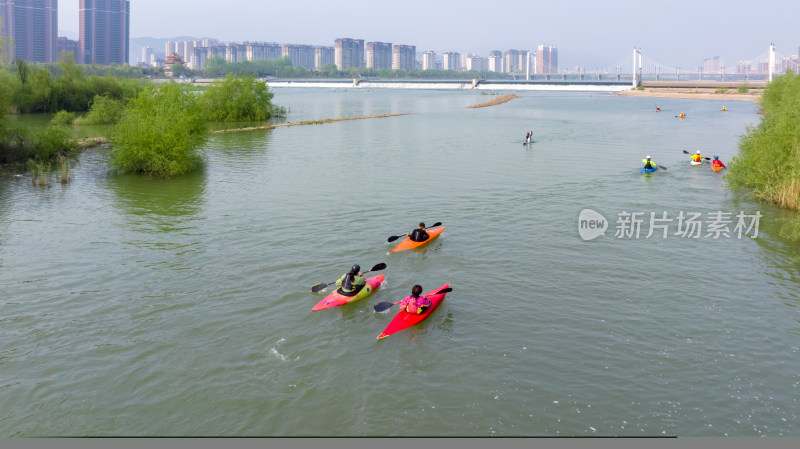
[
  {"x": 404, "y": 320},
  {"x": 335, "y": 298}
]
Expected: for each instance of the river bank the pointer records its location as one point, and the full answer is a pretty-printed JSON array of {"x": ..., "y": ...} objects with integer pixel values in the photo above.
[{"x": 693, "y": 94}]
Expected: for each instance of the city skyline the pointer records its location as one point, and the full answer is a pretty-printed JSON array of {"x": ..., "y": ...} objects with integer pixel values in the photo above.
[{"x": 587, "y": 33}]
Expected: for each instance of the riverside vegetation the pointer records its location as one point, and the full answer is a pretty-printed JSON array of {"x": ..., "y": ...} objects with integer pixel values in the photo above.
[
  {"x": 157, "y": 129},
  {"x": 768, "y": 162}
]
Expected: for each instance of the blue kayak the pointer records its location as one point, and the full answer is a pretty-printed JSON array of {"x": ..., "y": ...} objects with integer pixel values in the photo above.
[{"x": 649, "y": 170}]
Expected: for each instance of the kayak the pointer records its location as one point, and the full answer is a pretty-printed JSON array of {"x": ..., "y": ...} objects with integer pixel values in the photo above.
[
  {"x": 335, "y": 298},
  {"x": 648, "y": 170},
  {"x": 404, "y": 320},
  {"x": 407, "y": 243},
  {"x": 717, "y": 167},
  {"x": 696, "y": 163}
]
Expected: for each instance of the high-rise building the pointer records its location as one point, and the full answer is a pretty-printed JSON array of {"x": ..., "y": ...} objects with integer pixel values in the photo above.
[
  {"x": 511, "y": 61},
  {"x": 349, "y": 53},
  {"x": 477, "y": 63},
  {"x": 301, "y": 55},
  {"x": 324, "y": 56},
  {"x": 546, "y": 59},
  {"x": 379, "y": 55},
  {"x": 496, "y": 61},
  {"x": 451, "y": 61},
  {"x": 148, "y": 56},
  {"x": 104, "y": 31},
  {"x": 68, "y": 45},
  {"x": 713, "y": 65},
  {"x": 429, "y": 60},
  {"x": 257, "y": 51},
  {"x": 29, "y": 29},
  {"x": 404, "y": 57}
]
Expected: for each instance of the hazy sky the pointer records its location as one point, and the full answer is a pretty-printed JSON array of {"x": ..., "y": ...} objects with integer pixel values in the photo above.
[{"x": 589, "y": 33}]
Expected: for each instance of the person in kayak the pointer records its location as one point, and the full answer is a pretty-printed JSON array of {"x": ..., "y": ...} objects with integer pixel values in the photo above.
[
  {"x": 528, "y": 136},
  {"x": 419, "y": 234},
  {"x": 352, "y": 282},
  {"x": 717, "y": 163},
  {"x": 648, "y": 164},
  {"x": 414, "y": 303},
  {"x": 697, "y": 157}
]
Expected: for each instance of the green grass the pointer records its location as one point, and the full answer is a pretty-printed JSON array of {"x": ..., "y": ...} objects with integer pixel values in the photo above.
[{"x": 768, "y": 163}]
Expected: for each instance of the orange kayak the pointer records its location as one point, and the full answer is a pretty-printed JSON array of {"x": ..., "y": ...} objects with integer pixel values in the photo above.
[
  {"x": 716, "y": 167},
  {"x": 407, "y": 243}
]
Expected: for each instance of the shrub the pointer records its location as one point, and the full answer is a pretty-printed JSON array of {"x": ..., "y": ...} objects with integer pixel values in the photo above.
[
  {"x": 238, "y": 99},
  {"x": 160, "y": 132},
  {"x": 103, "y": 111},
  {"x": 63, "y": 118}
]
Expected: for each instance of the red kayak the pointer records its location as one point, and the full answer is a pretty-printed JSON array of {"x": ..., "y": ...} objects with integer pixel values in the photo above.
[
  {"x": 335, "y": 298},
  {"x": 407, "y": 243},
  {"x": 404, "y": 320}
]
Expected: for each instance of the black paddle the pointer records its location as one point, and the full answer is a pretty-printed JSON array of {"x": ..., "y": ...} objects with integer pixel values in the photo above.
[
  {"x": 381, "y": 306},
  {"x": 395, "y": 237},
  {"x": 706, "y": 158},
  {"x": 320, "y": 287}
]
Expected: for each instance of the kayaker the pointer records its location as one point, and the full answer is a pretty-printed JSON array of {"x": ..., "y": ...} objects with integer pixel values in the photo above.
[
  {"x": 419, "y": 234},
  {"x": 528, "y": 136},
  {"x": 414, "y": 303},
  {"x": 648, "y": 164},
  {"x": 717, "y": 163},
  {"x": 696, "y": 157},
  {"x": 352, "y": 282}
]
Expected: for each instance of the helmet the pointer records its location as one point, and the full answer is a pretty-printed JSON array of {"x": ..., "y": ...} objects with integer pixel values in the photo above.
[
  {"x": 355, "y": 269},
  {"x": 648, "y": 157},
  {"x": 698, "y": 151},
  {"x": 421, "y": 225},
  {"x": 716, "y": 157}
]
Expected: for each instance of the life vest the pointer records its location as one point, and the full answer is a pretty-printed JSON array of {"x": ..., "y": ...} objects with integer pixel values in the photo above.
[
  {"x": 415, "y": 305},
  {"x": 652, "y": 163},
  {"x": 697, "y": 157},
  {"x": 717, "y": 162}
]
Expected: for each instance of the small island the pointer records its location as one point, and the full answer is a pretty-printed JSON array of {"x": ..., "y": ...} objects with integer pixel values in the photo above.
[{"x": 498, "y": 100}]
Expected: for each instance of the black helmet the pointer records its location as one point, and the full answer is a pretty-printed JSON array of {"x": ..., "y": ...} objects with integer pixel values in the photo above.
[
  {"x": 355, "y": 269},
  {"x": 421, "y": 225}
]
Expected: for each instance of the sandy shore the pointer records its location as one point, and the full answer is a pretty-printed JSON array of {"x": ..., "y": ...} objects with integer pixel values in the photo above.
[
  {"x": 695, "y": 94},
  {"x": 497, "y": 100}
]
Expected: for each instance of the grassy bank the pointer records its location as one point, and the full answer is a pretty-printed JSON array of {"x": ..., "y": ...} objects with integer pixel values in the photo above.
[{"x": 769, "y": 154}]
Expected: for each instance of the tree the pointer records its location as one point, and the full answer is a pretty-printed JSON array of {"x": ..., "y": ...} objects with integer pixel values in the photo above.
[
  {"x": 237, "y": 99},
  {"x": 160, "y": 132}
]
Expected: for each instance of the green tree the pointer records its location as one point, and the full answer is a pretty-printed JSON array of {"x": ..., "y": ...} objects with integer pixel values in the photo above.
[
  {"x": 104, "y": 110},
  {"x": 160, "y": 133},
  {"x": 237, "y": 99}
]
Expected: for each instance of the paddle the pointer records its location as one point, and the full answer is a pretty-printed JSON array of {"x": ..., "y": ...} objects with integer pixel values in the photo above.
[
  {"x": 395, "y": 237},
  {"x": 706, "y": 158},
  {"x": 381, "y": 306},
  {"x": 320, "y": 287}
]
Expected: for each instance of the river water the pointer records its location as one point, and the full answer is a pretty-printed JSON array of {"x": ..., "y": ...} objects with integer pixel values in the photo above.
[{"x": 144, "y": 307}]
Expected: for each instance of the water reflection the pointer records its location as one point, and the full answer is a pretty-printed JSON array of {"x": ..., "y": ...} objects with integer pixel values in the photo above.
[{"x": 157, "y": 206}]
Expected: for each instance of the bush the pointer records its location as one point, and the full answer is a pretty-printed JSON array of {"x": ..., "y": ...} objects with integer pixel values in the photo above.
[
  {"x": 238, "y": 99},
  {"x": 743, "y": 88},
  {"x": 160, "y": 132},
  {"x": 103, "y": 111},
  {"x": 63, "y": 118}
]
